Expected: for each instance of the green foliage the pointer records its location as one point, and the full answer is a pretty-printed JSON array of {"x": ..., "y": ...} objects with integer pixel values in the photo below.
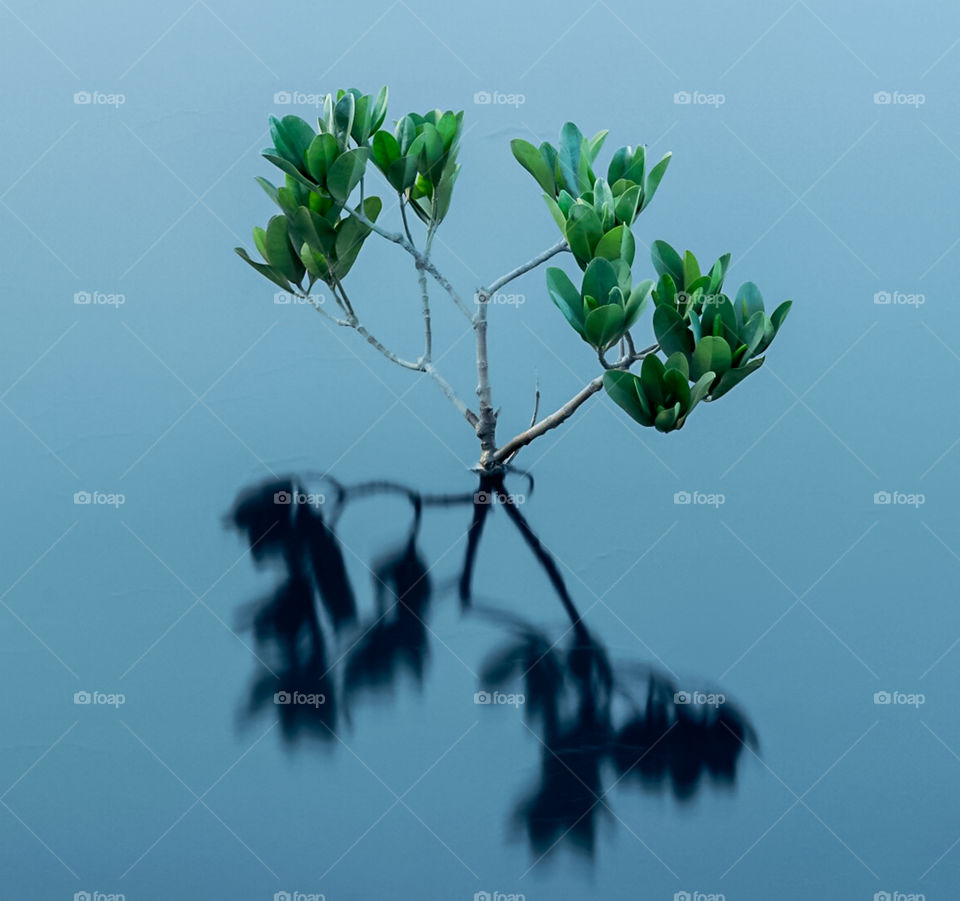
[
  {"x": 606, "y": 306},
  {"x": 707, "y": 343},
  {"x": 320, "y": 234},
  {"x": 586, "y": 208}
]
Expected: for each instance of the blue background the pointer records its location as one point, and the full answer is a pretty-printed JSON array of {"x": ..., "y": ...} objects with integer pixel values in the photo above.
[{"x": 800, "y": 596}]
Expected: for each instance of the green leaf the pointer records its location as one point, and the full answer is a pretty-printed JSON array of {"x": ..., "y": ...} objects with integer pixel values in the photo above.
[
  {"x": 268, "y": 271},
  {"x": 677, "y": 387},
  {"x": 651, "y": 378},
  {"x": 653, "y": 180},
  {"x": 351, "y": 235},
  {"x": 636, "y": 303},
  {"x": 711, "y": 353},
  {"x": 270, "y": 190},
  {"x": 280, "y": 253},
  {"x": 667, "y": 261},
  {"x": 343, "y": 114},
  {"x": 671, "y": 331},
  {"x": 444, "y": 192},
  {"x": 566, "y": 297},
  {"x": 599, "y": 279},
  {"x": 402, "y": 174},
  {"x": 592, "y": 147},
  {"x": 321, "y": 153},
  {"x": 752, "y": 333},
  {"x": 379, "y": 112},
  {"x": 625, "y": 391},
  {"x": 571, "y": 143},
  {"x": 667, "y": 419},
  {"x": 732, "y": 377},
  {"x": 748, "y": 302},
  {"x": 530, "y": 158},
  {"x": 779, "y": 314},
  {"x": 691, "y": 270},
  {"x": 556, "y": 212},
  {"x": 701, "y": 388},
  {"x": 678, "y": 362},
  {"x": 583, "y": 232},
  {"x": 617, "y": 244},
  {"x": 406, "y": 133},
  {"x": 289, "y": 168},
  {"x": 626, "y": 205},
  {"x": 604, "y": 326},
  {"x": 386, "y": 150},
  {"x": 346, "y": 172}
]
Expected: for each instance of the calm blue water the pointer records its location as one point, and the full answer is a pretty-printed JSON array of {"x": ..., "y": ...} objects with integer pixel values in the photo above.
[{"x": 799, "y": 599}]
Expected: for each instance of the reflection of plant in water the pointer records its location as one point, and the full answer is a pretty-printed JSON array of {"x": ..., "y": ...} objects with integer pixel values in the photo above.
[
  {"x": 593, "y": 718},
  {"x": 709, "y": 342}
]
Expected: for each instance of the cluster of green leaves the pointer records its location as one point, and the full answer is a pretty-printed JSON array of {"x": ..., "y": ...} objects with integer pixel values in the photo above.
[
  {"x": 607, "y": 305},
  {"x": 318, "y": 233},
  {"x": 585, "y": 207},
  {"x": 709, "y": 340},
  {"x": 419, "y": 160},
  {"x": 695, "y": 318}
]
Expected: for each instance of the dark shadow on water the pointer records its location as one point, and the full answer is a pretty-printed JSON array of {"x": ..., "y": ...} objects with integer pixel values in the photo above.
[{"x": 599, "y": 723}]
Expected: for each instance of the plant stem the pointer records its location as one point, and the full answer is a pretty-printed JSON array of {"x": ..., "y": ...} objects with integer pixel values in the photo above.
[
  {"x": 561, "y": 415},
  {"x": 425, "y": 294},
  {"x": 559, "y": 247}
]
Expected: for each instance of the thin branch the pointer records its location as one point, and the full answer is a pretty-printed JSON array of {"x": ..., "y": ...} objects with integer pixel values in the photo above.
[
  {"x": 425, "y": 295},
  {"x": 406, "y": 225},
  {"x": 561, "y": 415},
  {"x": 451, "y": 395},
  {"x": 559, "y": 247},
  {"x": 402, "y": 241}
]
